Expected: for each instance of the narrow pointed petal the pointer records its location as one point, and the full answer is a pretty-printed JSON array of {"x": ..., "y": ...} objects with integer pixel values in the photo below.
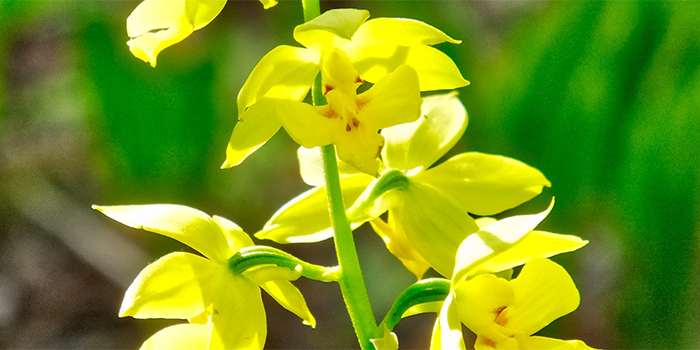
[
  {"x": 434, "y": 224},
  {"x": 436, "y": 70},
  {"x": 155, "y": 25},
  {"x": 178, "y": 285},
  {"x": 486, "y": 184},
  {"x": 323, "y": 30},
  {"x": 187, "y": 225},
  {"x": 447, "y": 333},
  {"x": 396, "y": 242},
  {"x": 239, "y": 317},
  {"x": 492, "y": 240},
  {"x": 287, "y": 295},
  {"x": 180, "y": 337},
  {"x": 393, "y": 100},
  {"x": 202, "y": 12},
  {"x": 543, "y": 343},
  {"x": 415, "y": 146},
  {"x": 305, "y": 218},
  {"x": 255, "y": 127},
  {"x": 286, "y": 72},
  {"x": 536, "y": 244},
  {"x": 399, "y": 31},
  {"x": 544, "y": 291}
]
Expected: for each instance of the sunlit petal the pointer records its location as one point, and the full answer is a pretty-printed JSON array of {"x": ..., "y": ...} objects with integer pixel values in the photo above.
[
  {"x": 436, "y": 70},
  {"x": 178, "y": 285},
  {"x": 435, "y": 224},
  {"x": 399, "y": 31},
  {"x": 396, "y": 242},
  {"x": 323, "y": 30},
  {"x": 543, "y": 343},
  {"x": 255, "y": 127},
  {"x": 481, "y": 300},
  {"x": 187, "y": 225},
  {"x": 202, "y": 12},
  {"x": 235, "y": 236},
  {"x": 393, "y": 100},
  {"x": 286, "y": 72},
  {"x": 312, "y": 169},
  {"x": 486, "y": 184},
  {"x": 287, "y": 295},
  {"x": 544, "y": 292},
  {"x": 239, "y": 316},
  {"x": 305, "y": 218},
  {"x": 447, "y": 333},
  {"x": 307, "y": 125},
  {"x": 416, "y": 146},
  {"x": 180, "y": 337}
]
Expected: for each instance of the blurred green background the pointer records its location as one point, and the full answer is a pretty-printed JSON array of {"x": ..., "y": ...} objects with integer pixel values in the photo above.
[{"x": 602, "y": 96}]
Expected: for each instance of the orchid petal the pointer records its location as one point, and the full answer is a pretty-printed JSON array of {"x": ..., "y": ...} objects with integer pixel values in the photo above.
[
  {"x": 254, "y": 128},
  {"x": 287, "y": 295},
  {"x": 415, "y": 146},
  {"x": 395, "y": 99},
  {"x": 202, "y": 12},
  {"x": 187, "y": 225},
  {"x": 535, "y": 244},
  {"x": 485, "y": 184},
  {"x": 239, "y": 316},
  {"x": 178, "y": 285},
  {"x": 436, "y": 70},
  {"x": 180, "y": 337},
  {"x": 398, "y": 244},
  {"x": 331, "y": 25},
  {"x": 544, "y": 292},
  {"x": 543, "y": 343},
  {"x": 235, "y": 236},
  {"x": 305, "y": 124},
  {"x": 286, "y": 72},
  {"x": 268, "y": 3},
  {"x": 305, "y": 218},
  {"x": 312, "y": 169},
  {"x": 493, "y": 240},
  {"x": 434, "y": 224},
  {"x": 399, "y": 31},
  {"x": 447, "y": 333}
]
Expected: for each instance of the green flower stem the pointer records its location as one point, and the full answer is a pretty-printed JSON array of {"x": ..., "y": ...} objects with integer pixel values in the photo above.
[
  {"x": 425, "y": 291},
  {"x": 352, "y": 284}
]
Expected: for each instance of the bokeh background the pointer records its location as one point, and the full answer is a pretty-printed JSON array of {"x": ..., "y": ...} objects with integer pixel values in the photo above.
[{"x": 602, "y": 96}]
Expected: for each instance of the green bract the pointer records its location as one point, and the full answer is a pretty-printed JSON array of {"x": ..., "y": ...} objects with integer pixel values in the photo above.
[
  {"x": 373, "y": 49},
  {"x": 428, "y": 207},
  {"x": 224, "y": 309}
]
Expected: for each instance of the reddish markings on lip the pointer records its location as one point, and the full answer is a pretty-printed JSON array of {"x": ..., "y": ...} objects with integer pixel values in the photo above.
[
  {"x": 488, "y": 342},
  {"x": 501, "y": 321},
  {"x": 327, "y": 88},
  {"x": 359, "y": 80}
]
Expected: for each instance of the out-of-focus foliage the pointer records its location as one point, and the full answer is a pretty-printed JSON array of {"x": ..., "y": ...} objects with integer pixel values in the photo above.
[{"x": 601, "y": 96}]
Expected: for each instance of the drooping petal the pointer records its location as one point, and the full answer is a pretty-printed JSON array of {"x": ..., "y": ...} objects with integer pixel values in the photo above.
[
  {"x": 235, "y": 236},
  {"x": 493, "y": 240},
  {"x": 434, "y": 224},
  {"x": 396, "y": 242},
  {"x": 486, "y": 184},
  {"x": 393, "y": 100},
  {"x": 436, "y": 70},
  {"x": 543, "y": 343},
  {"x": 399, "y": 31},
  {"x": 447, "y": 333},
  {"x": 178, "y": 285},
  {"x": 180, "y": 337},
  {"x": 360, "y": 147},
  {"x": 286, "y": 72},
  {"x": 322, "y": 31},
  {"x": 287, "y": 295},
  {"x": 187, "y": 225},
  {"x": 415, "y": 146},
  {"x": 255, "y": 127},
  {"x": 305, "y": 218},
  {"x": 544, "y": 291},
  {"x": 239, "y": 316},
  {"x": 536, "y": 244},
  {"x": 202, "y": 12}
]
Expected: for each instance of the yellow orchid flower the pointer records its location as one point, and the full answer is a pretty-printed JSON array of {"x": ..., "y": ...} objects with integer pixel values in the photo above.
[
  {"x": 504, "y": 314},
  {"x": 429, "y": 213},
  {"x": 375, "y": 49},
  {"x": 157, "y": 24},
  {"x": 224, "y": 309}
]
